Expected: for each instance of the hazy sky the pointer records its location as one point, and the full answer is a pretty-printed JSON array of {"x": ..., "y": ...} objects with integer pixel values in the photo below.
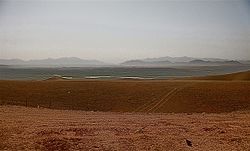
[{"x": 114, "y": 31}]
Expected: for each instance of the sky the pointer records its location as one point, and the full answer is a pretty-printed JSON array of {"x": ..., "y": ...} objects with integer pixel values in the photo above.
[{"x": 115, "y": 31}]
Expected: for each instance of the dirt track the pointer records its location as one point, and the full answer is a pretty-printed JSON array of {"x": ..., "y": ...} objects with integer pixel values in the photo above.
[{"x": 44, "y": 129}]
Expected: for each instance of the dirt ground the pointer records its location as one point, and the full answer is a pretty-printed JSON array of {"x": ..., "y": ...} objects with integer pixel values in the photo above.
[
  {"x": 238, "y": 76},
  {"x": 154, "y": 96},
  {"x": 24, "y": 128}
]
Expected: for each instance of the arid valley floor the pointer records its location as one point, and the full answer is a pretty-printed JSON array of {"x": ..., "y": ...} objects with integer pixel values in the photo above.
[{"x": 213, "y": 113}]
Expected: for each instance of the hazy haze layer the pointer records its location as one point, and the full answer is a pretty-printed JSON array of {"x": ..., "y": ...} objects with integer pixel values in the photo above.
[{"x": 122, "y": 30}]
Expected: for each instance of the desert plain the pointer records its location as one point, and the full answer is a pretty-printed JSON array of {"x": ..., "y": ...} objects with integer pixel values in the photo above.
[{"x": 205, "y": 113}]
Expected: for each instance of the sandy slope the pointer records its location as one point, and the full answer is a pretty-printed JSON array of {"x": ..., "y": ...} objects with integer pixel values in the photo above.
[
  {"x": 163, "y": 96},
  {"x": 44, "y": 129},
  {"x": 239, "y": 76}
]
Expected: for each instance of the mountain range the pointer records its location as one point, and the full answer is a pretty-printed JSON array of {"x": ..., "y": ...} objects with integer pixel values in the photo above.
[
  {"x": 182, "y": 61},
  {"x": 148, "y": 62},
  {"x": 62, "y": 62}
]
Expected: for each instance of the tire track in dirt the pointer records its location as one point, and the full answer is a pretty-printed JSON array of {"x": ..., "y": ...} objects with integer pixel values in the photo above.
[
  {"x": 147, "y": 106},
  {"x": 164, "y": 99},
  {"x": 155, "y": 105},
  {"x": 168, "y": 97},
  {"x": 140, "y": 108}
]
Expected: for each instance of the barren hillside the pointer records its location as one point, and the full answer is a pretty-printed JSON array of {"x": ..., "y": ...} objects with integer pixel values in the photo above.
[
  {"x": 239, "y": 76},
  {"x": 129, "y": 95}
]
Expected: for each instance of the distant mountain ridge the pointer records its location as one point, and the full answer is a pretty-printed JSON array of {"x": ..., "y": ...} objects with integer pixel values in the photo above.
[
  {"x": 65, "y": 61},
  {"x": 148, "y": 62},
  {"x": 202, "y": 62},
  {"x": 181, "y": 61}
]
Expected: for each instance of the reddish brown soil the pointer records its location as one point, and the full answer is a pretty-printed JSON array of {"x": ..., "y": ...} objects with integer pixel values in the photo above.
[
  {"x": 130, "y": 95},
  {"x": 24, "y": 128},
  {"x": 227, "y": 127},
  {"x": 239, "y": 76}
]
